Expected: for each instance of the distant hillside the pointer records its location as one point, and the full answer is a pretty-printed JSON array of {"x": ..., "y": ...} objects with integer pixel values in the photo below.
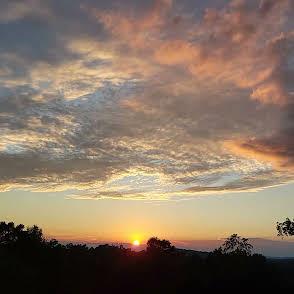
[{"x": 190, "y": 252}]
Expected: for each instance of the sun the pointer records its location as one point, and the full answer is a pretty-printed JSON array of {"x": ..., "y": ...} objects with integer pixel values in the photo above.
[{"x": 136, "y": 242}]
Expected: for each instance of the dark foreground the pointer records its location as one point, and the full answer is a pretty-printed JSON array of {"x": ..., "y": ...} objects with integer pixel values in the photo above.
[{"x": 29, "y": 264}]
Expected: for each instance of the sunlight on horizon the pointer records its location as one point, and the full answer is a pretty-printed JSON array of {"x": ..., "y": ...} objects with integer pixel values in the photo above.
[{"x": 136, "y": 242}]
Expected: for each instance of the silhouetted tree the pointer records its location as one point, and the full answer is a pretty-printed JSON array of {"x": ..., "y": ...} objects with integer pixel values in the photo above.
[
  {"x": 236, "y": 245},
  {"x": 11, "y": 234},
  {"x": 156, "y": 245},
  {"x": 285, "y": 228}
]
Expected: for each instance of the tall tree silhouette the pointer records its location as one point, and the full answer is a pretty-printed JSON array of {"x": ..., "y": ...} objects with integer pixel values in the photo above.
[
  {"x": 235, "y": 245},
  {"x": 156, "y": 245}
]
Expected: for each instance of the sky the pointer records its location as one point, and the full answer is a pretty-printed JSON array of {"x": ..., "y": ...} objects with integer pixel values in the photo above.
[{"x": 125, "y": 119}]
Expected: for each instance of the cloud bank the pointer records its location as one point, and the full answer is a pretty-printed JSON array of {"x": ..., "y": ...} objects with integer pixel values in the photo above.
[{"x": 152, "y": 100}]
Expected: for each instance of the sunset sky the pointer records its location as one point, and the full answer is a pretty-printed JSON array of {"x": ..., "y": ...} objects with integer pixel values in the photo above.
[{"x": 120, "y": 120}]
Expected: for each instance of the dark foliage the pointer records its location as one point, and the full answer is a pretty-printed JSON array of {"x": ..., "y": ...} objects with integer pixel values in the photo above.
[
  {"x": 235, "y": 245},
  {"x": 285, "y": 228},
  {"x": 30, "y": 264},
  {"x": 157, "y": 246}
]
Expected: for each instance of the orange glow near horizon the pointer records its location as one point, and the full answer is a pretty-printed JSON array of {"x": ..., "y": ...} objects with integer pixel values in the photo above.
[{"x": 136, "y": 242}]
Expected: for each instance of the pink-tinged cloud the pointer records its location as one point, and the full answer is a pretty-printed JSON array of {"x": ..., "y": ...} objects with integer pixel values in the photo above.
[{"x": 278, "y": 150}]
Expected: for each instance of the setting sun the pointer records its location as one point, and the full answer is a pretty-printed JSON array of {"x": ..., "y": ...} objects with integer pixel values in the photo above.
[{"x": 136, "y": 242}]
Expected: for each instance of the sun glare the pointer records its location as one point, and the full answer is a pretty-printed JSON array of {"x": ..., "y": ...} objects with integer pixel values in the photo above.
[{"x": 136, "y": 242}]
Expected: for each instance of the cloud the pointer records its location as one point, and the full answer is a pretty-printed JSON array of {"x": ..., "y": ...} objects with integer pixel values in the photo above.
[
  {"x": 146, "y": 100},
  {"x": 277, "y": 149},
  {"x": 16, "y": 10}
]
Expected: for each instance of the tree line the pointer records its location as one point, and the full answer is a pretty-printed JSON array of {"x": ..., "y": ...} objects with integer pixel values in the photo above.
[{"x": 31, "y": 264}]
